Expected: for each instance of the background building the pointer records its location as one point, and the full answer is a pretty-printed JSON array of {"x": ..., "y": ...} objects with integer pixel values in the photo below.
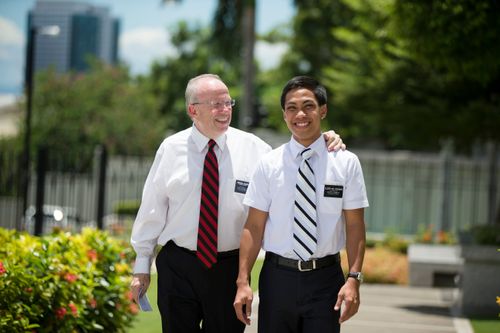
[{"x": 85, "y": 31}]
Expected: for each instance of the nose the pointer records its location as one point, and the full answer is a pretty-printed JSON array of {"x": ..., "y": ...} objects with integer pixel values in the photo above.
[{"x": 301, "y": 112}]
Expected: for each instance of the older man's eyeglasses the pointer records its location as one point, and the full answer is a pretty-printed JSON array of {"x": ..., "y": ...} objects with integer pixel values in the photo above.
[{"x": 218, "y": 104}]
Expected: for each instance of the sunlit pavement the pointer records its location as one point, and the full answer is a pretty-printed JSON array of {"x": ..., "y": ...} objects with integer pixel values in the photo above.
[{"x": 402, "y": 309}]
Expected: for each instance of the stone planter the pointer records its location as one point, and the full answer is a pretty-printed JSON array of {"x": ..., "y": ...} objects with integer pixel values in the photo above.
[
  {"x": 434, "y": 265},
  {"x": 480, "y": 283}
]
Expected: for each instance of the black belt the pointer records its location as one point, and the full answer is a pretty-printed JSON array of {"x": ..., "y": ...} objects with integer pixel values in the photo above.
[
  {"x": 220, "y": 255},
  {"x": 303, "y": 266}
]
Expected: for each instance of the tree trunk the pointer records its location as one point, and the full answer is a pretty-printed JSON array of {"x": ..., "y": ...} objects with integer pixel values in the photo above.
[{"x": 248, "y": 70}]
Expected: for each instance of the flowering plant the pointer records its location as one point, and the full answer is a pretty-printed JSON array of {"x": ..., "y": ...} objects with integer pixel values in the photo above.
[
  {"x": 64, "y": 283},
  {"x": 430, "y": 236}
]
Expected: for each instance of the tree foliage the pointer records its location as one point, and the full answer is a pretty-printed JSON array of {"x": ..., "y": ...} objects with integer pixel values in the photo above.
[
  {"x": 73, "y": 113},
  {"x": 403, "y": 74}
]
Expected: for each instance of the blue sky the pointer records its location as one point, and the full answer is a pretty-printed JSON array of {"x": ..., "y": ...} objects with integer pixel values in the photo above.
[{"x": 145, "y": 27}]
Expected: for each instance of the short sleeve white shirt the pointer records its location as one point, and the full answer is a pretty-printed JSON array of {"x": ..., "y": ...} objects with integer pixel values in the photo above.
[
  {"x": 171, "y": 197},
  {"x": 339, "y": 186}
]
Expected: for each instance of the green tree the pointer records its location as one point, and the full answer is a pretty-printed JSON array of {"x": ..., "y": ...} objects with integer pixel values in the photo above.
[
  {"x": 195, "y": 55},
  {"x": 74, "y": 112},
  {"x": 404, "y": 74},
  {"x": 458, "y": 42}
]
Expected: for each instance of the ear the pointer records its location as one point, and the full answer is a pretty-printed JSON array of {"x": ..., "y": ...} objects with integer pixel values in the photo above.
[
  {"x": 323, "y": 111},
  {"x": 191, "y": 111}
]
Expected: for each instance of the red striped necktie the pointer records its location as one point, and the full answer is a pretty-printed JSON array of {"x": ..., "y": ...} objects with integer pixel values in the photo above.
[{"x": 207, "y": 228}]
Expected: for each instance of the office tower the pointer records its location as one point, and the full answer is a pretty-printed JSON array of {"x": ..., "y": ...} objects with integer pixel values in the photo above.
[{"x": 85, "y": 30}]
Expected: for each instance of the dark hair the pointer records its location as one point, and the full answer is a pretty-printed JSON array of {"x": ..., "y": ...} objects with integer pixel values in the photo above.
[{"x": 307, "y": 83}]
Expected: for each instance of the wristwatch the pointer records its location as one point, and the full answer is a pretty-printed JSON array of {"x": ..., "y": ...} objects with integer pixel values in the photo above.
[{"x": 357, "y": 275}]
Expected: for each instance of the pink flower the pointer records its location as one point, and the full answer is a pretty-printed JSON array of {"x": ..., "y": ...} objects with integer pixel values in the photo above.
[
  {"x": 70, "y": 277},
  {"x": 2, "y": 269},
  {"x": 60, "y": 313}
]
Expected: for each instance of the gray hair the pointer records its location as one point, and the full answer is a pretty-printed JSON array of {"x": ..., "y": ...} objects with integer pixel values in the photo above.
[{"x": 192, "y": 87}]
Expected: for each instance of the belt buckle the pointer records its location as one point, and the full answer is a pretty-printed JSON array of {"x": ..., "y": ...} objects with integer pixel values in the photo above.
[{"x": 299, "y": 266}]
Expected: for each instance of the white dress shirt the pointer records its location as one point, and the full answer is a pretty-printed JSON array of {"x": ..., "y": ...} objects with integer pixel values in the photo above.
[
  {"x": 170, "y": 204},
  {"x": 339, "y": 185}
]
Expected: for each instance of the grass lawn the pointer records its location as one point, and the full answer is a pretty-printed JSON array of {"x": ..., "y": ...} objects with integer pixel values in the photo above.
[
  {"x": 150, "y": 322},
  {"x": 485, "y": 325}
]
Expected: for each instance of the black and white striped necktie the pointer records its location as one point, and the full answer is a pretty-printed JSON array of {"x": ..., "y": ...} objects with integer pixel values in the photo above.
[{"x": 305, "y": 222}]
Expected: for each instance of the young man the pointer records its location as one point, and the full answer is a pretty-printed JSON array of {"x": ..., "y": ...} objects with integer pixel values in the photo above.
[
  {"x": 192, "y": 206},
  {"x": 306, "y": 204}
]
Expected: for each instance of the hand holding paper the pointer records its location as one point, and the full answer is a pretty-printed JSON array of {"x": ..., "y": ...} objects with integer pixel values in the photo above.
[{"x": 144, "y": 302}]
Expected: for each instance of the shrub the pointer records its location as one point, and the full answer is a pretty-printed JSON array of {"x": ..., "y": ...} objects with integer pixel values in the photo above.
[
  {"x": 128, "y": 207},
  {"x": 382, "y": 265},
  {"x": 64, "y": 283},
  {"x": 395, "y": 243},
  {"x": 485, "y": 234}
]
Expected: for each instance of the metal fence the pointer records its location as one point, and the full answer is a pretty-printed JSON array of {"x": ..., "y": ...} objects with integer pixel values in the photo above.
[{"x": 407, "y": 191}]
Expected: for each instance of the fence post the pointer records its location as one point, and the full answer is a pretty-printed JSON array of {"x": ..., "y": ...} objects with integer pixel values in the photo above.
[
  {"x": 492, "y": 151},
  {"x": 446, "y": 155},
  {"x": 41, "y": 171},
  {"x": 101, "y": 156}
]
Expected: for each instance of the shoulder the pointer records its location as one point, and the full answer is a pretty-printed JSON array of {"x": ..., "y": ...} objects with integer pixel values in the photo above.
[
  {"x": 176, "y": 140},
  {"x": 275, "y": 157},
  {"x": 343, "y": 158},
  {"x": 342, "y": 155}
]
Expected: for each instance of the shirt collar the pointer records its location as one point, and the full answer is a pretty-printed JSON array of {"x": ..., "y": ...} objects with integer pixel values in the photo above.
[
  {"x": 319, "y": 146},
  {"x": 201, "y": 141}
]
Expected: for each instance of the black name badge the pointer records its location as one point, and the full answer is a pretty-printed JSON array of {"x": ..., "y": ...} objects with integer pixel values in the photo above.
[
  {"x": 333, "y": 191},
  {"x": 241, "y": 186}
]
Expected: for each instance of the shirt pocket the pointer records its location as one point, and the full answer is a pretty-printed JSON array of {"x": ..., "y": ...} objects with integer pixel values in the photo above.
[
  {"x": 331, "y": 199},
  {"x": 232, "y": 197}
]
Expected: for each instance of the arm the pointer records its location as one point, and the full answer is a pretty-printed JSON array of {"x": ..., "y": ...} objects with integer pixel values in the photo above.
[
  {"x": 355, "y": 247},
  {"x": 147, "y": 227},
  {"x": 333, "y": 141},
  {"x": 250, "y": 243}
]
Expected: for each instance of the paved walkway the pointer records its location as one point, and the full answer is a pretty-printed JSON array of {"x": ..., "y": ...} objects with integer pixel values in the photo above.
[{"x": 401, "y": 309}]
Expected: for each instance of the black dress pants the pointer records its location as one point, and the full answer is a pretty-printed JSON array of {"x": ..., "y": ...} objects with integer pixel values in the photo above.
[
  {"x": 192, "y": 298},
  {"x": 299, "y": 302}
]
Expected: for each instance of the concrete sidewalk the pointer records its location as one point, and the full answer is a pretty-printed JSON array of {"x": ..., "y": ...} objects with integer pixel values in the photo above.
[{"x": 401, "y": 309}]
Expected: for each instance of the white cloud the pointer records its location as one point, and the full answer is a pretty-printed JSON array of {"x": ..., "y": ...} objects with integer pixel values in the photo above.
[
  {"x": 7, "y": 99},
  {"x": 269, "y": 55},
  {"x": 11, "y": 34},
  {"x": 139, "y": 47}
]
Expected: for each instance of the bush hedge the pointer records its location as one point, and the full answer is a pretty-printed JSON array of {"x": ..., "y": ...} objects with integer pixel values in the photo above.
[{"x": 65, "y": 283}]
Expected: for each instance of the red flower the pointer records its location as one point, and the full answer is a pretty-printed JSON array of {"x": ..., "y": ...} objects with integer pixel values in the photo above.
[
  {"x": 133, "y": 308},
  {"x": 2, "y": 269},
  {"x": 70, "y": 277},
  {"x": 93, "y": 303},
  {"x": 74, "y": 309},
  {"x": 60, "y": 313},
  {"x": 28, "y": 290},
  {"x": 92, "y": 255}
]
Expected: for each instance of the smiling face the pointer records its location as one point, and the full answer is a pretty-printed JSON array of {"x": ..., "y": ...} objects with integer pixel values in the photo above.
[
  {"x": 303, "y": 115},
  {"x": 210, "y": 110}
]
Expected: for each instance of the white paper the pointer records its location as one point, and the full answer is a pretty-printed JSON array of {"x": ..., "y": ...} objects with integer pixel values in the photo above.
[{"x": 144, "y": 304}]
